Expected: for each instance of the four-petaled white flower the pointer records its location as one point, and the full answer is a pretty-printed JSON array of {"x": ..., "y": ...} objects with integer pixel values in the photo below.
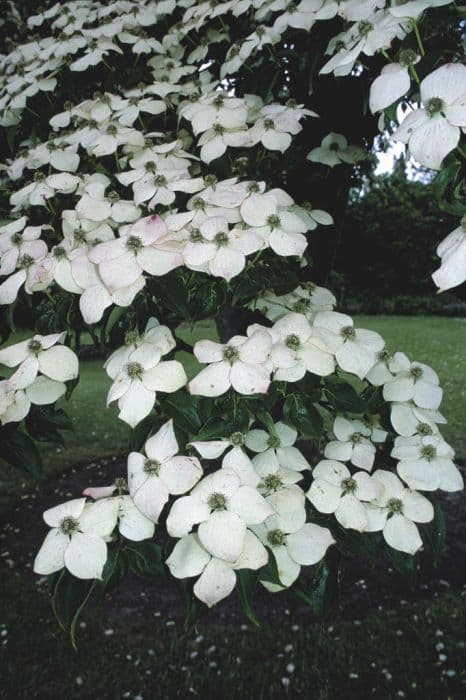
[
  {"x": 352, "y": 443},
  {"x": 335, "y": 490},
  {"x": 153, "y": 478},
  {"x": 243, "y": 363},
  {"x": 223, "y": 508},
  {"x": 78, "y": 538},
  {"x": 434, "y": 130},
  {"x": 426, "y": 463}
]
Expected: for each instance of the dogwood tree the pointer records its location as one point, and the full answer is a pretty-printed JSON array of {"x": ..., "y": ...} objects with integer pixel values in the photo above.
[{"x": 179, "y": 166}]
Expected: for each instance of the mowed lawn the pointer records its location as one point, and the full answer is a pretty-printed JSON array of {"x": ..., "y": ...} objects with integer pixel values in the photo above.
[{"x": 415, "y": 651}]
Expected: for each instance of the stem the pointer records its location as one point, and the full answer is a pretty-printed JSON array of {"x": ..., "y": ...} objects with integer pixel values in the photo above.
[
  {"x": 414, "y": 74},
  {"x": 418, "y": 38}
]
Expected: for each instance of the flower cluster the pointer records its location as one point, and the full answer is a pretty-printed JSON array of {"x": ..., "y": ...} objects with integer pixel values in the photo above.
[
  {"x": 41, "y": 367},
  {"x": 148, "y": 195}
]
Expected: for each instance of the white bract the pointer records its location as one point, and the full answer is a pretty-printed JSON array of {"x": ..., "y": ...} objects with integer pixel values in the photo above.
[
  {"x": 352, "y": 443},
  {"x": 336, "y": 490},
  {"x": 243, "y": 363},
  {"x": 434, "y": 130},
  {"x": 161, "y": 473}
]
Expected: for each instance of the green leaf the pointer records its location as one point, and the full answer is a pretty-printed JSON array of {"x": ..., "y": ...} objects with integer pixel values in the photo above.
[
  {"x": 343, "y": 396},
  {"x": 435, "y": 531},
  {"x": 269, "y": 572},
  {"x": 44, "y": 422},
  {"x": 325, "y": 585},
  {"x": 300, "y": 413},
  {"x": 70, "y": 596},
  {"x": 191, "y": 365},
  {"x": 245, "y": 584},
  {"x": 183, "y": 408},
  {"x": 360, "y": 543},
  {"x": 19, "y": 450},
  {"x": 405, "y": 564},
  {"x": 144, "y": 558},
  {"x": 115, "y": 569}
]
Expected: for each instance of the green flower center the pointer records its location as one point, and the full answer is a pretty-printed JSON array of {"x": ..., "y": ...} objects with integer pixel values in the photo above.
[
  {"x": 160, "y": 181},
  {"x": 272, "y": 482},
  {"x": 237, "y": 439},
  {"x": 349, "y": 485},
  {"x": 152, "y": 467},
  {"x": 301, "y": 306},
  {"x": 198, "y": 203},
  {"x": 365, "y": 28},
  {"x": 424, "y": 429},
  {"x": 416, "y": 372},
  {"x": 16, "y": 239},
  {"x": 269, "y": 124},
  {"x": 113, "y": 197},
  {"x": 348, "y": 333},
  {"x": 292, "y": 341},
  {"x": 217, "y": 501},
  {"x": 59, "y": 252},
  {"x": 39, "y": 177},
  {"x": 428, "y": 452},
  {"x": 69, "y": 525},
  {"x": 219, "y": 129},
  {"x": 230, "y": 354},
  {"x": 221, "y": 239},
  {"x": 219, "y": 100},
  {"x": 150, "y": 166},
  {"x": 274, "y": 441},
  {"x": 35, "y": 347},
  {"x": 356, "y": 438},
  {"x": 395, "y": 505},
  {"x": 196, "y": 236},
  {"x": 134, "y": 370},
  {"x": 134, "y": 243},
  {"x": 273, "y": 221},
  {"x": 384, "y": 356},
  {"x": 407, "y": 57},
  {"x": 434, "y": 106},
  {"x": 463, "y": 222},
  {"x": 112, "y": 129},
  {"x": 276, "y": 538},
  {"x": 121, "y": 485},
  {"x": 253, "y": 187},
  {"x": 131, "y": 337},
  {"x": 210, "y": 180}
]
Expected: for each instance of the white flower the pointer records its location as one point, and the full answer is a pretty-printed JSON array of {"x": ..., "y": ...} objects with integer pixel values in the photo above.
[
  {"x": 122, "y": 261},
  {"x": 351, "y": 444},
  {"x": 243, "y": 363},
  {"x": 414, "y": 382},
  {"x": 307, "y": 299},
  {"x": 40, "y": 354},
  {"x": 396, "y": 511},
  {"x": 234, "y": 459},
  {"x": 414, "y": 8},
  {"x": 215, "y": 109},
  {"x": 281, "y": 229},
  {"x": 408, "y": 419},
  {"x": 426, "y": 463},
  {"x": 452, "y": 252},
  {"x": 335, "y": 150},
  {"x": 16, "y": 240},
  {"x": 434, "y": 130},
  {"x": 356, "y": 349},
  {"x": 393, "y": 82},
  {"x": 78, "y": 538},
  {"x": 217, "y": 577},
  {"x": 34, "y": 270},
  {"x": 297, "y": 349},
  {"x": 137, "y": 381},
  {"x": 223, "y": 508},
  {"x": 132, "y": 524},
  {"x": 15, "y": 402},
  {"x": 336, "y": 490},
  {"x": 278, "y": 463},
  {"x": 293, "y": 545},
  {"x": 217, "y": 249},
  {"x": 153, "y": 479}
]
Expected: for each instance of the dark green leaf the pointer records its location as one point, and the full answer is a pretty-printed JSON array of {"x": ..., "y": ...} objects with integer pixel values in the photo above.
[
  {"x": 183, "y": 408},
  {"x": 323, "y": 593},
  {"x": 435, "y": 531},
  {"x": 245, "y": 584},
  {"x": 19, "y": 450},
  {"x": 144, "y": 558},
  {"x": 405, "y": 564},
  {"x": 343, "y": 396},
  {"x": 300, "y": 413}
]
